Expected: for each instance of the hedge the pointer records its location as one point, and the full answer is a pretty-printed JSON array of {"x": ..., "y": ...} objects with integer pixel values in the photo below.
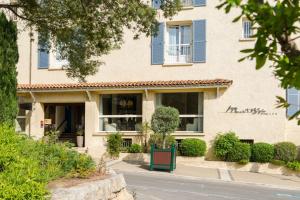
[
  {"x": 223, "y": 144},
  {"x": 239, "y": 152},
  {"x": 285, "y": 151},
  {"x": 262, "y": 152},
  {"x": 135, "y": 148},
  {"x": 192, "y": 147}
]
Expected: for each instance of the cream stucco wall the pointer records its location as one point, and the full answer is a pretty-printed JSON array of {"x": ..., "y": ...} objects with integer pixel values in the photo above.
[{"x": 250, "y": 88}]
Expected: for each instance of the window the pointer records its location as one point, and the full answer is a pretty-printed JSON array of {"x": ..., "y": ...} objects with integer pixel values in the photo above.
[
  {"x": 120, "y": 112},
  {"x": 247, "y": 29},
  {"x": 179, "y": 44},
  {"x": 186, "y": 3},
  {"x": 190, "y": 107},
  {"x": 59, "y": 60},
  {"x": 293, "y": 99},
  {"x": 43, "y": 54},
  {"x": 126, "y": 142},
  {"x": 21, "y": 119}
]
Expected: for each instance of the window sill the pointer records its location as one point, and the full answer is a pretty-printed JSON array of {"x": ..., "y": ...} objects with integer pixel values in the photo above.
[
  {"x": 188, "y": 133},
  {"x": 187, "y": 8},
  {"x": 246, "y": 39},
  {"x": 177, "y": 64},
  {"x": 125, "y": 133}
]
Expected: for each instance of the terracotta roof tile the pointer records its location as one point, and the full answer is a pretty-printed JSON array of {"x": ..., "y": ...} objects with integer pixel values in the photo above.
[{"x": 137, "y": 84}]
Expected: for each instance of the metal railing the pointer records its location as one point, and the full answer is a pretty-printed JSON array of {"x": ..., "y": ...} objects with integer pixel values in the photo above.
[
  {"x": 180, "y": 53},
  {"x": 186, "y": 3},
  {"x": 247, "y": 29}
]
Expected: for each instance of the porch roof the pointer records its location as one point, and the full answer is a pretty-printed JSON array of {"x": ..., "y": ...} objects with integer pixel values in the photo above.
[{"x": 123, "y": 85}]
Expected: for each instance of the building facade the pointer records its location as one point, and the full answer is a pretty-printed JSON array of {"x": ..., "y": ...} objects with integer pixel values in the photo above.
[{"x": 192, "y": 65}]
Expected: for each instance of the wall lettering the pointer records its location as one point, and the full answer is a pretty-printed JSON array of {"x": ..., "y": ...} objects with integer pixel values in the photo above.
[{"x": 253, "y": 111}]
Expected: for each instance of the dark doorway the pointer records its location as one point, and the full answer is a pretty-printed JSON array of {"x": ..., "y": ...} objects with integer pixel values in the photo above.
[{"x": 66, "y": 118}]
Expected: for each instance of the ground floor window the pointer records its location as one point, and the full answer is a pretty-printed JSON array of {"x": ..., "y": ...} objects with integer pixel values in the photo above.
[
  {"x": 190, "y": 107},
  {"x": 120, "y": 112},
  {"x": 24, "y": 108}
]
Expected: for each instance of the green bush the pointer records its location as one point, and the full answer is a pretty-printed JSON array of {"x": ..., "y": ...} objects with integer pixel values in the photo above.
[
  {"x": 192, "y": 147},
  {"x": 295, "y": 165},
  {"x": 157, "y": 139},
  {"x": 285, "y": 151},
  {"x": 26, "y": 166},
  {"x": 240, "y": 151},
  {"x": 262, "y": 152},
  {"x": 135, "y": 148},
  {"x": 223, "y": 144},
  {"x": 165, "y": 121},
  {"x": 114, "y": 144}
]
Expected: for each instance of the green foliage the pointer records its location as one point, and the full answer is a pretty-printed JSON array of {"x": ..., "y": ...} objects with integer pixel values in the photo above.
[
  {"x": 165, "y": 120},
  {"x": 243, "y": 162},
  {"x": 285, "y": 151},
  {"x": 277, "y": 162},
  {"x": 192, "y": 147},
  {"x": 87, "y": 29},
  {"x": 8, "y": 79},
  {"x": 239, "y": 152},
  {"x": 135, "y": 148},
  {"x": 157, "y": 139},
  {"x": 27, "y": 165},
  {"x": 295, "y": 165},
  {"x": 223, "y": 144},
  {"x": 262, "y": 152},
  {"x": 114, "y": 142}
]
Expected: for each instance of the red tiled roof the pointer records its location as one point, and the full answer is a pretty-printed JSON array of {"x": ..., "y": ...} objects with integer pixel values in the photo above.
[{"x": 137, "y": 84}]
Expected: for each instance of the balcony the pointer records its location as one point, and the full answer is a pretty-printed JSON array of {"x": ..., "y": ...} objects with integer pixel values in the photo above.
[{"x": 179, "y": 54}]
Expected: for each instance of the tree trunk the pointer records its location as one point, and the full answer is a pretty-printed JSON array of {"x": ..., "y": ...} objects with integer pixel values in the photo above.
[{"x": 164, "y": 142}]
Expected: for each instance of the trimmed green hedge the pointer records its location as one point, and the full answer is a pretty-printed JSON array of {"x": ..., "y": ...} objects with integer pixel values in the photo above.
[
  {"x": 240, "y": 152},
  {"x": 114, "y": 144},
  {"x": 26, "y": 166},
  {"x": 295, "y": 165},
  {"x": 223, "y": 144},
  {"x": 135, "y": 148},
  {"x": 262, "y": 152},
  {"x": 285, "y": 151},
  {"x": 192, "y": 147}
]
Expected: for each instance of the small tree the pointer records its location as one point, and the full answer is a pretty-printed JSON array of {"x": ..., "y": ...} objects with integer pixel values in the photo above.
[
  {"x": 114, "y": 142},
  {"x": 164, "y": 121}
]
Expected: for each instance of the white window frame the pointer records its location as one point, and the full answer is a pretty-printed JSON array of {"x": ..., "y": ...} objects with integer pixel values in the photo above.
[
  {"x": 187, "y": 3},
  {"x": 101, "y": 116},
  {"x": 167, "y": 43},
  {"x": 247, "y": 35},
  {"x": 23, "y": 117},
  {"x": 201, "y": 116},
  {"x": 297, "y": 94}
]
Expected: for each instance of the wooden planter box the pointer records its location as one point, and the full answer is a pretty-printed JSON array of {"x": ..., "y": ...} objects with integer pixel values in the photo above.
[{"x": 163, "y": 158}]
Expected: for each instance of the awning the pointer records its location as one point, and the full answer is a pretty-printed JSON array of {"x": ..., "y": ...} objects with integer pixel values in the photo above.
[{"x": 214, "y": 83}]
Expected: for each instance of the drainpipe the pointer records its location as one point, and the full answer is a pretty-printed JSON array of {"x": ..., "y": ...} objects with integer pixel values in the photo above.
[{"x": 30, "y": 74}]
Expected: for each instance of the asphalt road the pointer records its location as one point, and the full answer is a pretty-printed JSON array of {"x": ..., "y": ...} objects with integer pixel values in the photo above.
[{"x": 160, "y": 186}]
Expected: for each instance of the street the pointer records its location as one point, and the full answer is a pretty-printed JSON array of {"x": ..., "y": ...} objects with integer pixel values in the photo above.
[{"x": 164, "y": 186}]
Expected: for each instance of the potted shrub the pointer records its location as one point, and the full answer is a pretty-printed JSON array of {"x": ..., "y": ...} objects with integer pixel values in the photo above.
[
  {"x": 79, "y": 137},
  {"x": 165, "y": 121}
]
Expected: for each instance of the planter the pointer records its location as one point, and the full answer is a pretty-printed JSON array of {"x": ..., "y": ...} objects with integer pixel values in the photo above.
[
  {"x": 79, "y": 141},
  {"x": 163, "y": 158}
]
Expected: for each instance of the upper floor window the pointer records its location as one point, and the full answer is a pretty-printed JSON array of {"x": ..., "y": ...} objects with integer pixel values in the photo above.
[
  {"x": 179, "y": 49},
  {"x": 247, "y": 29},
  {"x": 293, "y": 99},
  {"x": 187, "y": 3},
  {"x": 179, "y": 43}
]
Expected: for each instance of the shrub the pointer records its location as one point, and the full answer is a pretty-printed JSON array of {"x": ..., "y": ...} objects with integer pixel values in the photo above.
[
  {"x": 135, "y": 148},
  {"x": 157, "y": 140},
  {"x": 164, "y": 121},
  {"x": 243, "y": 162},
  {"x": 223, "y": 144},
  {"x": 295, "y": 165},
  {"x": 192, "y": 147},
  {"x": 240, "y": 151},
  {"x": 27, "y": 165},
  {"x": 262, "y": 152},
  {"x": 114, "y": 146},
  {"x": 285, "y": 151}
]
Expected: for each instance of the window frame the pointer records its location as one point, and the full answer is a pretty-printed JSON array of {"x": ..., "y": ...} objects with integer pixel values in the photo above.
[
  {"x": 101, "y": 116},
  {"x": 199, "y": 115},
  {"x": 250, "y": 27},
  {"x": 167, "y": 56},
  {"x": 297, "y": 95}
]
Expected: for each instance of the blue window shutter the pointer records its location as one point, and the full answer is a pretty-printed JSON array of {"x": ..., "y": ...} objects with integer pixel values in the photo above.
[
  {"x": 199, "y": 41},
  {"x": 157, "y": 46},
  {"x": 43, "y": 56},
  {"x": 197, "y": 3},
  {"x": 293, "y": 100},
  {"x": 156, "y": 4}
]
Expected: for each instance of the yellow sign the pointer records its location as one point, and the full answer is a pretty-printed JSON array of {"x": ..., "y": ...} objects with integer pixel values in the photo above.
[{"x": 48, "y": 121}]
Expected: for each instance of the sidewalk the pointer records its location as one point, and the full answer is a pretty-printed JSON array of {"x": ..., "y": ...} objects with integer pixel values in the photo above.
[{"x": 269, "y": 180}]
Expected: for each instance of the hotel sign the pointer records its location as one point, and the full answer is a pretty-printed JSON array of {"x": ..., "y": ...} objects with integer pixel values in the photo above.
[{"x": 252, "y": 111}]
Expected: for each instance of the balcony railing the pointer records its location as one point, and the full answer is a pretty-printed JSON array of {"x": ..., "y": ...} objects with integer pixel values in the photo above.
[
  {"x": 186, "y": 3},
  {"x": 180, "y": 53}
]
